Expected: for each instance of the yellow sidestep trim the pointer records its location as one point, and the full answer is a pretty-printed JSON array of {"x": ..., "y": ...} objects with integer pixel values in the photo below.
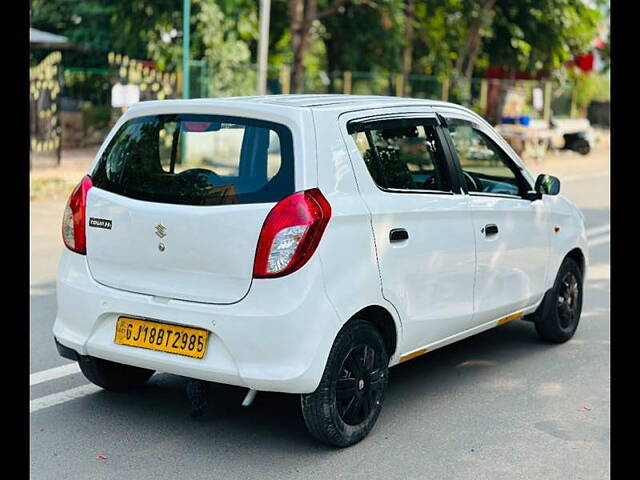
[
  {"x": 413, "y": 355},
  {"x": 422, "y": 351},
  {"x": 508, "y": 318}
]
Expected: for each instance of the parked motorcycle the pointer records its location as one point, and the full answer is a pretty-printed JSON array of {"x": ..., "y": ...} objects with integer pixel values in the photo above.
[{"x": 578, "y": 137}]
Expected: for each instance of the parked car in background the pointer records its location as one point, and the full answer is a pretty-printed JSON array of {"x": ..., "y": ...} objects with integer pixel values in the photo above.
[{"x": 306, "y": 244}]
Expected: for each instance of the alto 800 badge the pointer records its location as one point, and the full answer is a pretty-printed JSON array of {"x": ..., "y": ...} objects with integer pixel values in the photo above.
[{"x": 100, "y": 223}]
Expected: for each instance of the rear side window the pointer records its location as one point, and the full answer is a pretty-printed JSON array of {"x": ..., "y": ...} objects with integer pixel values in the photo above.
[
  {"x": 403, "y": 156},
  {"x": 198, "y": 160}
]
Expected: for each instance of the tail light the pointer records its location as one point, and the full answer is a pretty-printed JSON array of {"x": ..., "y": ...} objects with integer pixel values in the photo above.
[
  {"x": 74, "y": 218},
  {"x": 291, "y": 233}
]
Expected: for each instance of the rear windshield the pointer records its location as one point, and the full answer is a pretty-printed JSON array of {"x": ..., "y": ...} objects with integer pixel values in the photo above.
[{"x": 198, "y": 160}]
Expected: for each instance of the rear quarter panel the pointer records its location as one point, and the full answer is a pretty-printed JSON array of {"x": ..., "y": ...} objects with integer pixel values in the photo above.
[{"x": 347, "y": 250}]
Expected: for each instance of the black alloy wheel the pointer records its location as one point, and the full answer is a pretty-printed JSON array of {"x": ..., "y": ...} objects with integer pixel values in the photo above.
[
  {"x": 560, "y": 312},
  {"x": 346, "y": 404},
  {"x": 568, "y": 308},
  {"x": 359, "y": 388}
]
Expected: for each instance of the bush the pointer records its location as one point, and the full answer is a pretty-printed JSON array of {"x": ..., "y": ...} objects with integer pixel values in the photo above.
[
  {"x": 590, "y": 87},
  {"x": 95, "y": 117}
]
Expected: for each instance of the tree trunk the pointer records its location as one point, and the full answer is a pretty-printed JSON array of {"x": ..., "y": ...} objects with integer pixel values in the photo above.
[
  {"x": 407, "y": 53},
  {"x": 472, "y": 43},
  {"x": 335, "y": 58},
  {"x": 298, "y": 35},
  {"x": 471, "y": 59},
  {"x": 303, "y": 14}
]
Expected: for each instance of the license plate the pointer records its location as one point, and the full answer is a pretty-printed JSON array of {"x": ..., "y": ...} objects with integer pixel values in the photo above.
[{"x": 162, "y": 337}]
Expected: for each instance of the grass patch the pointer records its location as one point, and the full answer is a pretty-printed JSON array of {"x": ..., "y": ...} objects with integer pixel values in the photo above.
[{"x": 51, "y": 188}]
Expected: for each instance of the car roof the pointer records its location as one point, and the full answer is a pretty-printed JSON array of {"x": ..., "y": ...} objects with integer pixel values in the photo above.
[
  {"x": 342, "y": 103},
  {"x": 286, "y": 107},
  {"x": 324, "y": 100}
]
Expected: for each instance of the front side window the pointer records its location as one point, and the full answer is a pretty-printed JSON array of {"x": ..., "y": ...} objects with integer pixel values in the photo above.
[
  {"x": 486, "y": 168},
  {"x": 198, "y": 160},
  {"x": 403, "y": 157}
]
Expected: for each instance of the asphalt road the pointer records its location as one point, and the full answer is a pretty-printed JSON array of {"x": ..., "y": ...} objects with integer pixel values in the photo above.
[{"x": 500, "y": 405}]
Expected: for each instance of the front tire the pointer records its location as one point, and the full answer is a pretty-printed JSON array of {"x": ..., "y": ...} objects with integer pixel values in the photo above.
[
  {"x": 560, "y": 314},
  {"x": 345, "y": 406},
  {"x": 112, "y": 376}
]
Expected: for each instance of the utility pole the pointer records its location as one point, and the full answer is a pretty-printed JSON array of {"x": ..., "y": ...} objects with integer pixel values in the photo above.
[
  {"x": 263, "y": 45},
  {"x": 186, "y": 32}
]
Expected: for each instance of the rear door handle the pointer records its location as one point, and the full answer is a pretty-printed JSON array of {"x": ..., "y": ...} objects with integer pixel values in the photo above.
[
  {"x": 398, "y": 235},
  {"x": 490, "y": 229}
]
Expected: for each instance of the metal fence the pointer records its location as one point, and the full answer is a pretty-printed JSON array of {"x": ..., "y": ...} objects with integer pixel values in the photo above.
[
  {"x": 482, "y": 95},
  {"x": 85, "y": 93},
  {"x": 44, "y": 113}
]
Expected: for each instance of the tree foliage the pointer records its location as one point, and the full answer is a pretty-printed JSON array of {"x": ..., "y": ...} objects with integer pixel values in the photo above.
[
  {"x": 224, "y": 38},
  {"x": 86, "y": 23},
  {"x": 541, "y": 35},
  {"x": 452, "y": 38}
]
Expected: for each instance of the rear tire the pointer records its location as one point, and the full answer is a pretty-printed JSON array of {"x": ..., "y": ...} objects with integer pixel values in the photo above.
[
  {"x": 560, "y": 313},
  {"x": 345, "y": 406},
  {"x": 581, "y": 146},
  {"x": 112, "y": 376}
]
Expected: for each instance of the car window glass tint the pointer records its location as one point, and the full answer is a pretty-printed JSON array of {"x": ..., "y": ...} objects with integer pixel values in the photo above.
[
  {"x": 198, "y": 160},
  {"x": 406, "y": 157},
  {"x": 486, "y": 168}
]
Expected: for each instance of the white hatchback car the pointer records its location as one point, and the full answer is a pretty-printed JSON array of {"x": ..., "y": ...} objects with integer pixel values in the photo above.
[{"x": 305, "y": 244}]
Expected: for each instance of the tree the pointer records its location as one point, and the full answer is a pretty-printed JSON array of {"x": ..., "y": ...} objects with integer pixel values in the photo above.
[
  {"x": 482, "y": 14},
  {"x": 407, "y": 54},
  {"x": 87, "y": 24},
  {"x": 226, "y": 52},
  {"x": 541, "y": 35},
  {"x": 443, "y": 38},
  {"x": 303, "y": 13},
  {"x": 377, "y": 46}
]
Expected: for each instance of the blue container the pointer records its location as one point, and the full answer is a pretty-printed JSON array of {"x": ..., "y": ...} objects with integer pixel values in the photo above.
[
  {"x": 525, "y": 120},
  {"x": 509, "y": 120}
]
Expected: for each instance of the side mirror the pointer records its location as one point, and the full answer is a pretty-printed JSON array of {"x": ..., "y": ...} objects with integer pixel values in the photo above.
[{"x": 547, "y": 185}]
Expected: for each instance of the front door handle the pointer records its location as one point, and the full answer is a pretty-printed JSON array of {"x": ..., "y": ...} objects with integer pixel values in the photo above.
[
  {"x": 398, "y": 235},
  {"x": 490, "y": 229}
]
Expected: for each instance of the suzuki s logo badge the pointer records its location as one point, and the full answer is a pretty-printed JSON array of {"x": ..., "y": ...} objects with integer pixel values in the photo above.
[{"x": 161, "y": 230}]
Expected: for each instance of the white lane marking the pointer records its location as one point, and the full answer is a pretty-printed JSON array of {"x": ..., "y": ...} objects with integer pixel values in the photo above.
[
  {"x": 53, "y": 373},
  {"x": 597, "y": 230},
  {"x": 599, "y": 240},
  {"x": 62, "y": 397}
]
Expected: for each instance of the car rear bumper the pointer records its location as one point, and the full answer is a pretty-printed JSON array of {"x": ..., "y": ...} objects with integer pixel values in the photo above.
[{"x": 276, "y": 339}]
